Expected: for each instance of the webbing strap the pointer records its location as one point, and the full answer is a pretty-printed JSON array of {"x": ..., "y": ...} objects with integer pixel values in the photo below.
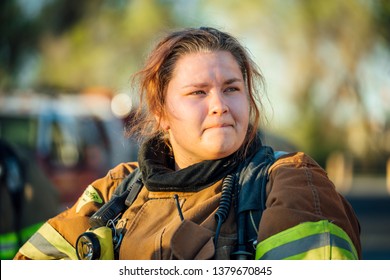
[
  {"x": 124, "y": 195},
  {"x": 251, "y": 191}
]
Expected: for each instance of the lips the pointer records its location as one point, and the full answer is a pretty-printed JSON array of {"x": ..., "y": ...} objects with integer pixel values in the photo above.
[{"x": 219, "y": 125}]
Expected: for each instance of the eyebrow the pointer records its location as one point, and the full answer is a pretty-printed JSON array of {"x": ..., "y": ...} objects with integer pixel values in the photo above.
[{"x": 202, "y": 85}]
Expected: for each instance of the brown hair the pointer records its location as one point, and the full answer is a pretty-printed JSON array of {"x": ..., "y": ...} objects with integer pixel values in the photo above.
[{"x": 153, "y": 79}]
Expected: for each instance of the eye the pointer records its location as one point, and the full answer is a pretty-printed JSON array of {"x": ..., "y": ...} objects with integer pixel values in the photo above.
[
  {"x": 232, "y": 89},
  {"x": 198, "y": 92}
]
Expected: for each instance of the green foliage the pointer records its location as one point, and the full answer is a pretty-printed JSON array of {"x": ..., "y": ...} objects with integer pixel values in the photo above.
[{"x": 313, "y": 53}]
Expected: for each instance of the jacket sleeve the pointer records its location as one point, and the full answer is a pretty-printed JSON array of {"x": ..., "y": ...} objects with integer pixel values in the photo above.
[
  {"x": 57, "y": 237},
  {"x": 305, "y": 217}
]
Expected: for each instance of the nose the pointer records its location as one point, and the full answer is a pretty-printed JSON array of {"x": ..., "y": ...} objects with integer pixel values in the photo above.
[{"x": 218, "y": 104}]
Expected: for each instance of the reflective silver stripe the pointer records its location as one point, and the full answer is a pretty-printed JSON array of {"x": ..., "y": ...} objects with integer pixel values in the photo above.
[
  {"x": 306, "y": 244},
  {"x": 47, "y": 244},
  {"x": 38, "y": 241}
]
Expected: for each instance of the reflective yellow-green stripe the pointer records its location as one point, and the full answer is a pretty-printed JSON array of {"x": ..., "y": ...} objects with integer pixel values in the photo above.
[
  {"x": 310, "y": 240},
  {"x": 48, "y": 244},
  {"x": 326, "y": 252},
  {"x": 9, "y": 243}
]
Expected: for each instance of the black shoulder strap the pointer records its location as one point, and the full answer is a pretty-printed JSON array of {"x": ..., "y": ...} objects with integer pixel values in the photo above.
[
  {"x": 255, "y": 216},
  {"x": 123, "y": 196},
  {"x": 253, "y": 178}
]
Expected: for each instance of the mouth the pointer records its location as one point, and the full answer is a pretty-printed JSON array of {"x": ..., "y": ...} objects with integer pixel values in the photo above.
[{"x": 221, "y": 125}]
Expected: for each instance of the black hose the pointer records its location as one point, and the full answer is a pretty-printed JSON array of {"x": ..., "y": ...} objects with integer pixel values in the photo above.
[{"x": 224, "y": 204}]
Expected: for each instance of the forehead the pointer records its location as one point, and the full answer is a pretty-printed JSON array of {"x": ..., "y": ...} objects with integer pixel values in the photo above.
[{"x": 199, "y": 65}]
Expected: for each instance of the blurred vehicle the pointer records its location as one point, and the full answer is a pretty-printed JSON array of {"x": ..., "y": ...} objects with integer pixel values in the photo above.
[{"x": 74, "y": 139}]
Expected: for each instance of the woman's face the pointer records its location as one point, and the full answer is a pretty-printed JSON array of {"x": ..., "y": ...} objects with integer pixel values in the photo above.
[{"x": 207, "y": 108}]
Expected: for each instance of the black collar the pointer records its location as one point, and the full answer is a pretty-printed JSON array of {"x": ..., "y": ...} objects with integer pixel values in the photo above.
[{"x": 158, "y": 172}]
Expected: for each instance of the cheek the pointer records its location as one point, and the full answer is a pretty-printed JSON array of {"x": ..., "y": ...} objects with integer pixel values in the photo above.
[
  {"x": 177, "y": 116},
  {"x": 173, "y": 114},
  {"x": 184, "y": 111},
  {"x": 241, "y": 110}
]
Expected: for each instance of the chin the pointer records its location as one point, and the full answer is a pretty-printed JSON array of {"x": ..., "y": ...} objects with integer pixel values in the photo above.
[
  {"x": 218, "y": 154},
  {"x": 220, "y": 148}
]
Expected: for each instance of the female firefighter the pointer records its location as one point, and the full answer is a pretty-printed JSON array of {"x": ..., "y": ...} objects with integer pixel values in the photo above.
[{"x": 204, "y": 186}]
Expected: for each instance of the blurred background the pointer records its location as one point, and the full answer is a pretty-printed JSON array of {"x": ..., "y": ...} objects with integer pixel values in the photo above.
[{"x": 65, "y": 95}]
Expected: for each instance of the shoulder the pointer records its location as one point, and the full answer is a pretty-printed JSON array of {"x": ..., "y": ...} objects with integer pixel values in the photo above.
[
  {"x": 122, "y": 170},
  {"x": 294, "y": 160},
  {"x": 297, "y": 176},
  {"x": 106, "y": 185}
]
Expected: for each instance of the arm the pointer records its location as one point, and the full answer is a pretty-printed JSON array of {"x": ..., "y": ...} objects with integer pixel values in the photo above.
[
  {"x": 57, "y": 237},
  {"x": 305, "y": 217}
]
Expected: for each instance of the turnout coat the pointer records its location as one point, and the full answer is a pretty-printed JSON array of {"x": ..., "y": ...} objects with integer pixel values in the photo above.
[{"x": 304, "y": 218}]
